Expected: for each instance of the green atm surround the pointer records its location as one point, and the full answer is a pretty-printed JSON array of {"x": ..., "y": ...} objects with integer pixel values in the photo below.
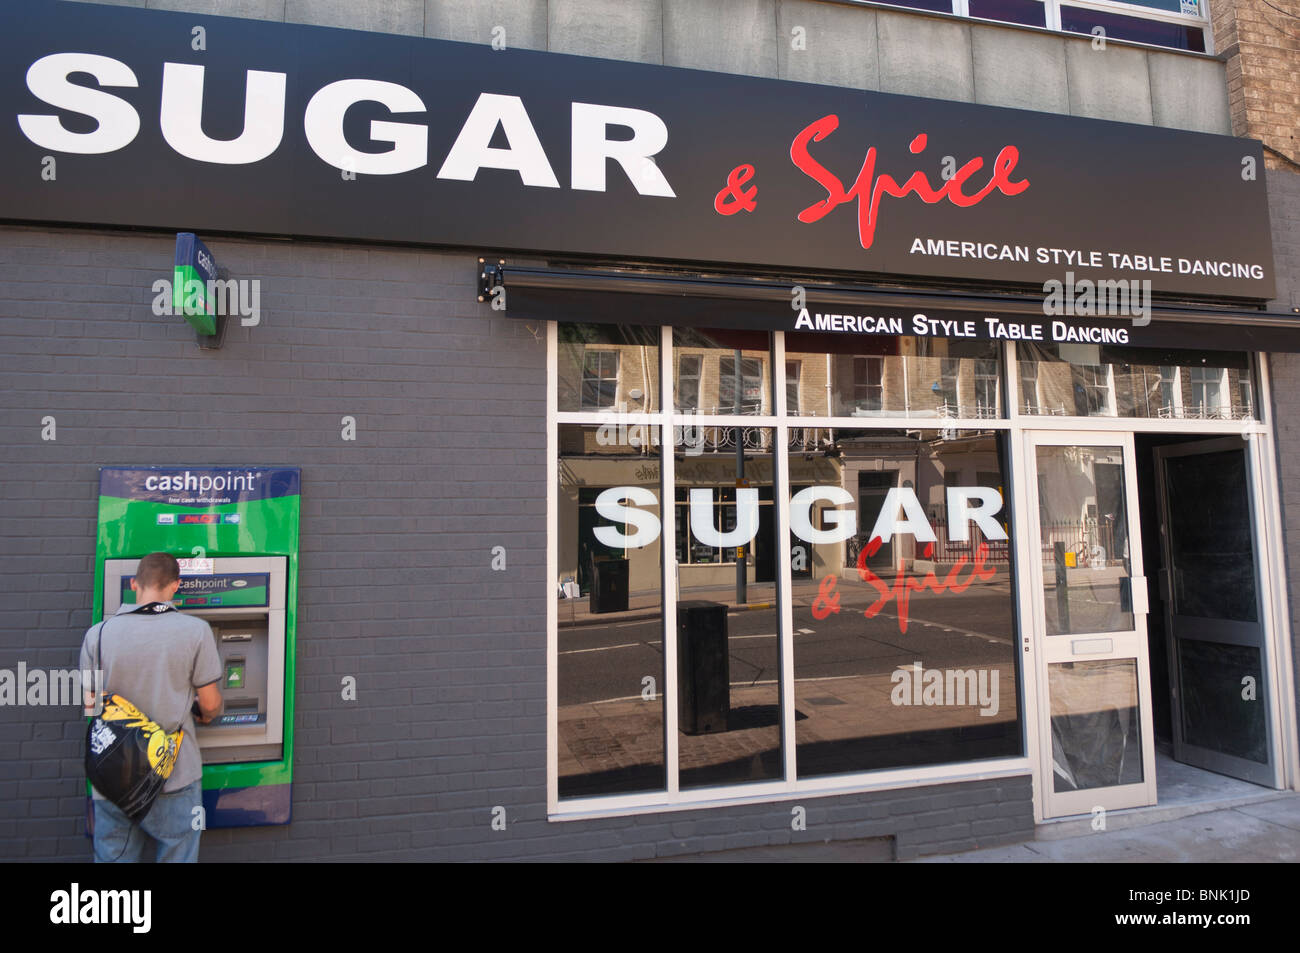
[{"x": 248, "y": 766}]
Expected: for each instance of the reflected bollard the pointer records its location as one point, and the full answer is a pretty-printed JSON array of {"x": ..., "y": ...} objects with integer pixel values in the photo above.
[{"x": 703, "y": 667}]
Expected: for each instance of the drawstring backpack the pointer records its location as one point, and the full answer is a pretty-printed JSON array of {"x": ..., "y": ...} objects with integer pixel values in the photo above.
[{"x": 129, "y": 757}]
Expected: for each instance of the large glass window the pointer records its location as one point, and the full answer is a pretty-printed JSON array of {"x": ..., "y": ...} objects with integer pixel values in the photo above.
[
  {"x": 904, "y": 633},
  {"x": 608, "y": 367},
  {"x": 894, "y": 534},
  {"x": 897, "y": 376},
  {"x": 1097, "y": 380},
  {"x": 728, "y": 642},
  {"x": 610, "y": 719},
  {"x": 729, "y": 371},
  {"x": 1086, "y": 559}
]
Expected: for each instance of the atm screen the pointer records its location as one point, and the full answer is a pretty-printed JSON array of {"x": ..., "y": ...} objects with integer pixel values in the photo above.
[{"x": 223, "y": 591}]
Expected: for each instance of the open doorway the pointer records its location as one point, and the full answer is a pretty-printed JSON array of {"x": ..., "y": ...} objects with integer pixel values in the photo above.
[{"x": 1211, "y": 713}]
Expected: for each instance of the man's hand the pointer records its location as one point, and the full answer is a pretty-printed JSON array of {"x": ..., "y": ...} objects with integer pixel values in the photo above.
[{"x": 209, "y": 702}]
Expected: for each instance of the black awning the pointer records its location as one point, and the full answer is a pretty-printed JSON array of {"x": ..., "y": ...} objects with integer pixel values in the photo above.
[{"x": 636, "y": 298}]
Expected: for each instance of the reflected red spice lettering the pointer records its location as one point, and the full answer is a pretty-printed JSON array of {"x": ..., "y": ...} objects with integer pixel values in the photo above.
[
  {"x": 868, "y": 188},
  {"x": 827, "y": 601},
  {"x": 904, "y": 585}
]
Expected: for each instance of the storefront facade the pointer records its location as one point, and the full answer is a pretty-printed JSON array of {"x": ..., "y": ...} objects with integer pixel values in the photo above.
[{"x": 942, "y": 563}]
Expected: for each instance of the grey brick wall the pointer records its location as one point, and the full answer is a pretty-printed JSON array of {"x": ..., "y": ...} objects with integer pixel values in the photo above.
[{"x": 395, "y": 586}]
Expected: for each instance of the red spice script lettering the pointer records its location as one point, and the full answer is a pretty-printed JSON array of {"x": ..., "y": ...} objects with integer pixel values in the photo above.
[
  {"x": 868, "y": 188},
  {"x": 828, "y": 600}
]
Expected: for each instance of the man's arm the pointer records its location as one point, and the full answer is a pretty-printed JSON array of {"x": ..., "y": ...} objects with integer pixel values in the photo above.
[
  {"x": 207, "y": 677},
  {"x": 90, "y": 683},
  {"x": 209, "y": 698}
]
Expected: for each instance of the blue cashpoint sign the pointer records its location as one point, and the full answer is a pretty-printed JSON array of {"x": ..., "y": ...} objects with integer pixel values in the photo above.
[{"x": 193, "y": 282}]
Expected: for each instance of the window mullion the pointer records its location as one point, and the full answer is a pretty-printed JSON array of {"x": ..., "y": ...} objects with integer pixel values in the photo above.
[
  {"x": 668, "y": 549},
  {"x": 784, "y": 576}
]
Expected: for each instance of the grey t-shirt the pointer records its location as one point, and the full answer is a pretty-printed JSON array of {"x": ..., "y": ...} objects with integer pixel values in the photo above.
[{"x": 156, "y": 661}]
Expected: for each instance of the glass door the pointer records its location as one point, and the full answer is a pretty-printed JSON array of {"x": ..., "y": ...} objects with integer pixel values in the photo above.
[
  {"x": 1090, "y": 602},
  {"x": 1210, "y": 585}
]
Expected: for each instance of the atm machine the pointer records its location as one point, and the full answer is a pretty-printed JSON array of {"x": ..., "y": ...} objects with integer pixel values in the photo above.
[
  {"x": 235, "y": 531},
  {"x": 243, "y": 599}
]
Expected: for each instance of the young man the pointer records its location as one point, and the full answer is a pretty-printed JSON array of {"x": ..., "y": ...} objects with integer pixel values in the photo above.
[{"x": 159, "y": 660}]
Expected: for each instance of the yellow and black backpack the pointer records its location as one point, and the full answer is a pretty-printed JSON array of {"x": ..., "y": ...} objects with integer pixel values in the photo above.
[{"x": 129, "y": 757}]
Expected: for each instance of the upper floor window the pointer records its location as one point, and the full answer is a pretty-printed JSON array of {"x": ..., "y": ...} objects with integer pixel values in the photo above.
[
  {"x": 599, "y": 380},
  {"x": 1092, "y": 390},
  {"x": 688, "y": 382},
  {"x": 986, "y": 388},
  {"x": 1175, "y": 24},
  {"x": 1207, "y": 390},
  {"x": 868, "y": 383},
  {"x": 1112, "y": 381},
  {"x": 740, "y": 386}
]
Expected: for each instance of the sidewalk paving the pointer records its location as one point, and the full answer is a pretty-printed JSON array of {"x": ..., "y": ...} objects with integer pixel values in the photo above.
[
  {"x": 1262, "y": 829},
  {"x": 1267, "y": 830}
]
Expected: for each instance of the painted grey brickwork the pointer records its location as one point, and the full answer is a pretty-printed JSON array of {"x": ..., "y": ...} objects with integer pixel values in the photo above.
[
  {"x": 842, "y": 44},
  {"x": 1284, "y": 213},
  {"x": 395, "y": 585}
]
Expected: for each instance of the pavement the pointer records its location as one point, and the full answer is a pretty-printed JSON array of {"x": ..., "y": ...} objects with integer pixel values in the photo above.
[{"x": 1264, "y": 829}]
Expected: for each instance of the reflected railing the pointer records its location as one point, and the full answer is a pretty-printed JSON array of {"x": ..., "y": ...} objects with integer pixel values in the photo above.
[
  {"x": 1206, "y": 412},
  {"x": 1090, "y": 541}
]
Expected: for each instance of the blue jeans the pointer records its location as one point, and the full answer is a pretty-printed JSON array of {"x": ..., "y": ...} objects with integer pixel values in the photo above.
[{"x": 169, "y": 824}]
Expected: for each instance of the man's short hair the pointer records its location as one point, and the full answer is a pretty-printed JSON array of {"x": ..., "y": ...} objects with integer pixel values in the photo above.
[{"x": 157, "y": 570}]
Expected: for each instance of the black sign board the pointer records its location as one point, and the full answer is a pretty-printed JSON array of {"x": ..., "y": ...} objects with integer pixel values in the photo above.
[{"x": 116, "y": 117}]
